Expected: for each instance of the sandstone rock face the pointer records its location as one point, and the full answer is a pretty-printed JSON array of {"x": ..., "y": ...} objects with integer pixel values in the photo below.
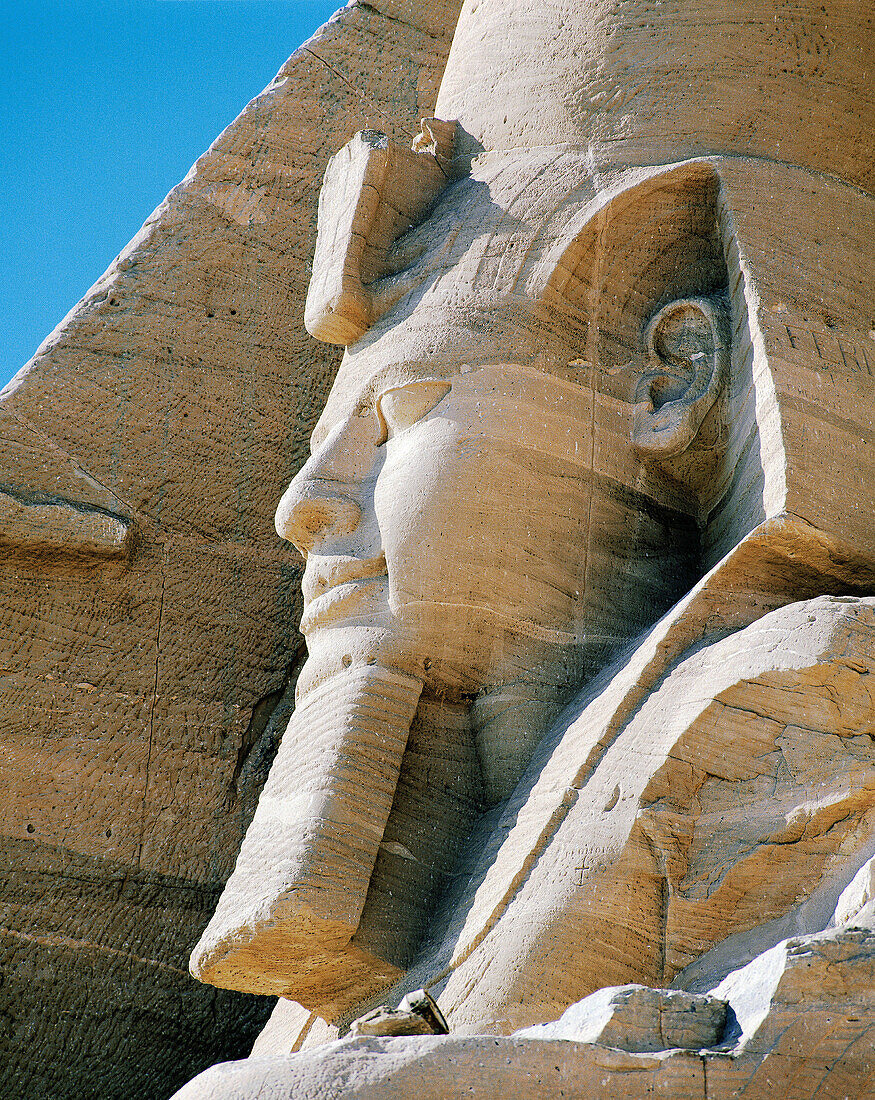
[
  {"x": 149, "y": 612},
  {"x": 806, "y": 1013}
]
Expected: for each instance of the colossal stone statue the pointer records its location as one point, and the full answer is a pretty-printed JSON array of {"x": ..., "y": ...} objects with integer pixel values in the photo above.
[{"x": 602, "y": 422}]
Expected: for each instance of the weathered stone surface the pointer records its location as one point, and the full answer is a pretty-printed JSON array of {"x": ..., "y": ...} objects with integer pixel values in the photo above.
[
  {"x": 438, "y": 1067},
  {"x": 393, "y": 187},
  {"x": 61, "y": 528},
  {"x": 801, "y": 1025},
  {"x": 318, "y": 864},
  {"x": 856, "y": 905},
  {"x": 705, "y": 859},
  {"x": 643, "y": 87},
  {"x": 805, "y": 1011},
  {"x": 149, "y": 612}
]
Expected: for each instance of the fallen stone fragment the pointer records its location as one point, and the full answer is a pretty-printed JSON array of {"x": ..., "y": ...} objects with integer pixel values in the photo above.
[
  {"x": 639, "y": 1019},
  {"x": 417, "y": 1014}
]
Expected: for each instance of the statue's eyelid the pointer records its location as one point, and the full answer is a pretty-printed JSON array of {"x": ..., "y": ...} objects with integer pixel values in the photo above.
[
  {"x": 381, "y": 419},
  {"x": 442, "y": 385}
]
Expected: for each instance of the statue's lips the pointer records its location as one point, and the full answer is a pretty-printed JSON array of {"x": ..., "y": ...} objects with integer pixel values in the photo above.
[{"x": 336, "y": 589}]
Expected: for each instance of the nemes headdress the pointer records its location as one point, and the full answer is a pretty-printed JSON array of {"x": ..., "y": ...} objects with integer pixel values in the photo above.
[{"x": 607, "y": 159}]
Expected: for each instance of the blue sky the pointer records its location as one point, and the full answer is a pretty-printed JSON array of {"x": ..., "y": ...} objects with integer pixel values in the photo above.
[{"x": 104, "y": 106}]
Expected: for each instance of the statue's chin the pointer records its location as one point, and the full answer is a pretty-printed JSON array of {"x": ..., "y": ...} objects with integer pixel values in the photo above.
[
  {"x": 455, "y": 651},
  {"x": 361, "y": 600}
]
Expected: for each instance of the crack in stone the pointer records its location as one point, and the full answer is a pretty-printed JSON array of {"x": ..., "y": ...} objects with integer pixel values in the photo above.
[
  {"x": 153, "y": 705},
  {"x": 402, "y": 22},
  {"x": 355, "y": 90}
]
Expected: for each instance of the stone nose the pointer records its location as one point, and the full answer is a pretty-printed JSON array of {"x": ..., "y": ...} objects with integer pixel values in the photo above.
[
  {"x": 322, "y": 502},
  {"x": 313, "y": 510}
]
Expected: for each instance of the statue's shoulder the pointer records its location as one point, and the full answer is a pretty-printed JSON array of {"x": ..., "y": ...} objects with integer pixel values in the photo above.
[{"x": 712, "y": 793}]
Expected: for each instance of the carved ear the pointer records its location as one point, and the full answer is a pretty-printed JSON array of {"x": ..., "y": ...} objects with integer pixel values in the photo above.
[{"x": 686, "y": 361}]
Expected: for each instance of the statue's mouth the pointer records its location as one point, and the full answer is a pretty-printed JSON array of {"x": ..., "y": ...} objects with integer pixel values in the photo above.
[{"x": 341, "y": 588}]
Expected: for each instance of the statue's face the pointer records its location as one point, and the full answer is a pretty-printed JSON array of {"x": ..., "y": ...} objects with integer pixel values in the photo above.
[
  {"x": 443, "y": 516},
  {"x": 474, "y": 512}
]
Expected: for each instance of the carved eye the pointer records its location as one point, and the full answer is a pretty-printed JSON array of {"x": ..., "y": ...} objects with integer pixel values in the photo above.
[{"x": 403, "y": 406}]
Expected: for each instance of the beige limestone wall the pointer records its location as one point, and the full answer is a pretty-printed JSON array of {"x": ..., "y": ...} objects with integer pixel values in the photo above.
[{"x": 149, "y": 613}]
